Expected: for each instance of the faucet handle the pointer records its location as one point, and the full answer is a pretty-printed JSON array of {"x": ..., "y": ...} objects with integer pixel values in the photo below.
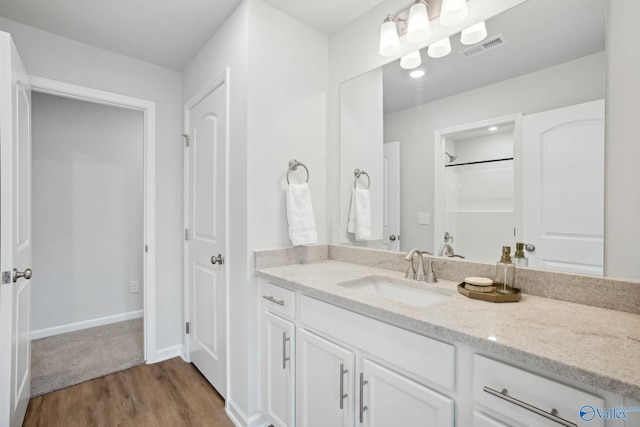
[
  {"x": 411, "y": 270},
  {"x": 431, "y": 276}
]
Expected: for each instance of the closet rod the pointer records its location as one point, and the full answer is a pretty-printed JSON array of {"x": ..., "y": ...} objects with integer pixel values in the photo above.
[{"x": 478, "y": 162}]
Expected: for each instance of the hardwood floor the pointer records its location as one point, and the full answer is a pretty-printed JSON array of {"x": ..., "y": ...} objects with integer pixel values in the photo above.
[{"x": 170, "y": 393}]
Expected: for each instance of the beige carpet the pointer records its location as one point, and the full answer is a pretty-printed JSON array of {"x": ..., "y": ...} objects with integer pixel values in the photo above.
[{"x": 67, "y": 359}]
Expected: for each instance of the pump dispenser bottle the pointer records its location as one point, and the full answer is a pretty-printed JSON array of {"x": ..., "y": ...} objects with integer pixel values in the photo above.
[
  {"x": 505, "y": 272},
  {"x": 518, "y": 257}
]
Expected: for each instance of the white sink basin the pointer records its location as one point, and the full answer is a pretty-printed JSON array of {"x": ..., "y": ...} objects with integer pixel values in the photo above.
[{"x": 397, "y": 291}]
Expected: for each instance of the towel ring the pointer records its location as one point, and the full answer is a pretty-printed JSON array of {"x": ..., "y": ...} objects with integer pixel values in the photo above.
[
  {"x": 293, "y": 165},
  {"x": 359, "y": 172}
]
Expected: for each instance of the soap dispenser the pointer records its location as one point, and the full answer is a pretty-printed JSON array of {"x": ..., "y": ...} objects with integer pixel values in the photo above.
[
  {"x": 505, "y": 272},
  {"x": 518, "y": 258}
]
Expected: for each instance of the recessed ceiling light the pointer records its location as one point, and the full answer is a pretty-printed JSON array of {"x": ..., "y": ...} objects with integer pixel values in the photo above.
[
  {"x": 416, "y": 74},
  {"x": 492, "y": 338},
  {"x": 493, "y": 128}
]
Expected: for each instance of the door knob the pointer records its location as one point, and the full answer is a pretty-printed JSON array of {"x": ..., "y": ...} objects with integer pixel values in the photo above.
[
  {"x": 392, "y": 237},
  {"x": 530, "y": 247},
  {"x": 217, "y": 259},
  {"x": 17, "y": 274}
]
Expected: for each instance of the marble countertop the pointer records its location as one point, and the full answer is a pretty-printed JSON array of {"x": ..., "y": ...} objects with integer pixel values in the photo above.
[{"x": 592, "y": 345}]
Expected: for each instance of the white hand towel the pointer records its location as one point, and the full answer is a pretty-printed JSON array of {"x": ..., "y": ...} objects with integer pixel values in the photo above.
[
  {"x": 302, "y": 223},
  {"x": 359, "y": 221}
]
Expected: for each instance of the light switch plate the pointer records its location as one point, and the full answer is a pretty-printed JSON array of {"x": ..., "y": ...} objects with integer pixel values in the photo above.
[{"x": 423, "y": 218}]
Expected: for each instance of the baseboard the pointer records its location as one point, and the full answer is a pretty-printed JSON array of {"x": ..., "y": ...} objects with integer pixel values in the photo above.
[
  {"x": 240, "y": 419},
  {"x": 71, "y": 327},
  {"x": 167, "y": 353}
]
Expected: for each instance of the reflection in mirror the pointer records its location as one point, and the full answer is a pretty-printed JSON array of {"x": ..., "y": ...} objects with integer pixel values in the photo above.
[{"x": 550, "y": 58}]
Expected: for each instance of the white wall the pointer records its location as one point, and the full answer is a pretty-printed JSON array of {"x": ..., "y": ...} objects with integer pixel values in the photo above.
[
  {"x": 87, "y": 210},
  {"x": 622, "y": 150},
  {"x": 361, "y": 119},
  {"x": 278, "y": 69},
  {"x": 415, "y": 127},
  {"x": 53, "y": 57}
]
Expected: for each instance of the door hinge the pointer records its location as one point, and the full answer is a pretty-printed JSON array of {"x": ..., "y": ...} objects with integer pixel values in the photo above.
[
  {"x": 187, "y": 328},
  {"x": 146, "y": 248},
  {"x": 186, "y": 234},
  {"x": 186, "y": 139},
  {"x": 6, "y": 277}
]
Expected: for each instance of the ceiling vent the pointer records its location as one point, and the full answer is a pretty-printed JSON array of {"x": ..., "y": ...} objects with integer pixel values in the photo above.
[{"x": 484, "y": 46}]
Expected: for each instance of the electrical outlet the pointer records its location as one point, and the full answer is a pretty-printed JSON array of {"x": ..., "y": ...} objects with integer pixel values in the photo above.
[
  {"x": 423, "y": 218},
  {"x": 134, "y": 287}
]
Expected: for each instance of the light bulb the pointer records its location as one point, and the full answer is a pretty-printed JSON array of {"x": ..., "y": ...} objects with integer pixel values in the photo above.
[
  {"x": 453, "y": 12},
  {"x": 440, "y": 48},
  {"x": 389, "y": 40},
  {"x": 474, "y": 34},
  {"x": 419, "y": 27},
  {"x": 411, "y": 60}
]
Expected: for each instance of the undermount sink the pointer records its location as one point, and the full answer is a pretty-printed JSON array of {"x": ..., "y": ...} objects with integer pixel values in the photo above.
[{"x": 398, "y": 291}]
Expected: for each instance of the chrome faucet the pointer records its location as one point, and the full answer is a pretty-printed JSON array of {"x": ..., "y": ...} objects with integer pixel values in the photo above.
[{"x": 412, "y": 272}]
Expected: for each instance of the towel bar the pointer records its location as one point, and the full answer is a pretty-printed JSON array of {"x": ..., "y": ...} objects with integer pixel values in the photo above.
[
  {"x": 358, "y": 173},
  {"x": 293, "y": 165}
]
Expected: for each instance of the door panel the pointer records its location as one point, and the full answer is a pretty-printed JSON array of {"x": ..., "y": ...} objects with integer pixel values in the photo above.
[
  {"x": 563, "y": 188},
  {"x": 206, "y": 223},
  {"x": 15, "y": 234},
  {"x": 391, "y": 197}
]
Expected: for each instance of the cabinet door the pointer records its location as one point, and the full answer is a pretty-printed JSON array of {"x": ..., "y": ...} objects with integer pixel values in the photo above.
[
  {"x": 278, "y": 364},
  {"x": 325, "y": 382},
  {"x": 388, "y": 399},
  {"x": 482, "y": 420}
]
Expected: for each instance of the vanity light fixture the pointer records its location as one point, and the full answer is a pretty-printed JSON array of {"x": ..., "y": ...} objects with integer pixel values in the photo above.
[
  {"x": 474, "y": 34},
  {"x": 389, "y": 38},
  {"x": 493, "y": 128},
  {"x": 416, "y": 74},
  {"x": 411, "y": 60},
  {"x": 418, "y": 26},
  {"x": 440, "y": 48},
  {"x": 453, "y": 12}
]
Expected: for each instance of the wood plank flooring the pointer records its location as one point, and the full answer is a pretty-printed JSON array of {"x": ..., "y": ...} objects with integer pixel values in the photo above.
[{"x": 170, "y": 393}]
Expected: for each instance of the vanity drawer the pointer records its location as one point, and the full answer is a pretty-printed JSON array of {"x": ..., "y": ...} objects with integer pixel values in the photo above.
[
  {"x": 278, "y": 299},
  {"x": 490, "y": 376},
  {"x": 417, "y": 356}
]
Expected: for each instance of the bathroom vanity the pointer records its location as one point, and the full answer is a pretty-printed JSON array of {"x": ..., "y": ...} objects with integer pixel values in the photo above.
[{"x": 346, "y": 344}]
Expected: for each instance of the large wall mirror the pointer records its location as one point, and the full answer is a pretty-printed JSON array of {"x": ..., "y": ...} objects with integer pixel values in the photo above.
[{"x": 497, "y": 143}]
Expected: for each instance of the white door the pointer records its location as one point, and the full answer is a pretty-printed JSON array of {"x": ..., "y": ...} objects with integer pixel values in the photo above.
[
  {"x": 389, "y": 399},
  {"x": 563, "y": 188},
  {"x": 15, "y": 235},
  {"x": 325, "y": 383},
  {"x": 278, "y": 380},
  {"x": 391, "y": 196},
  {"x": 206, "y": 236}
]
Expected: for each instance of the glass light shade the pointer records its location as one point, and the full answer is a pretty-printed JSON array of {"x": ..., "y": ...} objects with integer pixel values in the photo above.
[
  {"x": 440, "y": 48},
  {"x": 411, "y": 60},
  {"x": 453, "y": 12},
  {"x": 419, "y": 27},
  {"x": 389, "y": 40},
  {"x": 474, "y": 34}
]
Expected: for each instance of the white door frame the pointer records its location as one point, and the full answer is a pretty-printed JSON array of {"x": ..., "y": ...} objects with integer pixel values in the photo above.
[
  {"x": 441, "y": 136},
  {"x": 148, "y": 108},
  {"x": 209, "y": 88}
]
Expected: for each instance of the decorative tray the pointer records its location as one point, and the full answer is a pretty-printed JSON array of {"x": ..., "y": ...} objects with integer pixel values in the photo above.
[{"x": 492, "y": 296}]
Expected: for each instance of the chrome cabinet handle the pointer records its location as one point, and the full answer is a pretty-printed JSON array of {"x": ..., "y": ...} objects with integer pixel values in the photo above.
[
  {"x": 362, "y": 407},
  {"x": 17, "y": 274},
  {"x": 553, "y": 415},
  {"x": 343, "y": 395},
  {"x": 217, "y": 259},
  {"x": 272, "y": 299},
  {"x": 284, "y": 350}
]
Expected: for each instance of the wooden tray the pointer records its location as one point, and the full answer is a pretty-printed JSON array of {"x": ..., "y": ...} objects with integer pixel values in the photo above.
[{"x": 492, "y": 296}]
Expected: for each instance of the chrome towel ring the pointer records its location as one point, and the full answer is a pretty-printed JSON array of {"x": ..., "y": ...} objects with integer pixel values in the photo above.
[
  {"x": 357, "y": 174},
  {"x": 293, "y": 165}
]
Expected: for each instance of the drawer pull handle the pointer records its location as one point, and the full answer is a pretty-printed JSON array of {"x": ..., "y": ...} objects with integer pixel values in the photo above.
[
  {"x": 362, "y": 407},
  {"x": 272, "y": 299},
  {"x": 343, "y": 395},
  {"x": 284, "y": 350},
  {"x": 549, "y": 415}
]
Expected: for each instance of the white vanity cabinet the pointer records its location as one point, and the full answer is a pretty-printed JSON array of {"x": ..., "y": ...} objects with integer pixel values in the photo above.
[
  {"x": 325, "y": 387},
  {"x": 278, "y": 356}
]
